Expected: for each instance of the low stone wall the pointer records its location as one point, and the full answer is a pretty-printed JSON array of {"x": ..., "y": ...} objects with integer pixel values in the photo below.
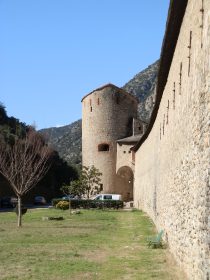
[{"x": 172, "y": 165}]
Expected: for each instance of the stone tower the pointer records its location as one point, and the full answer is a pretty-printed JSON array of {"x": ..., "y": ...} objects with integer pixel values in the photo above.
[{"x": 107, "y": 115}]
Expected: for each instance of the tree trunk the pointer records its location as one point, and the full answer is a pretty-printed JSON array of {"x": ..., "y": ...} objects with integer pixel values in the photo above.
[
  {"x": 19, "y": 212},
  {"x": 69, "y": 206},
  {"x": 88, "y": 193}
]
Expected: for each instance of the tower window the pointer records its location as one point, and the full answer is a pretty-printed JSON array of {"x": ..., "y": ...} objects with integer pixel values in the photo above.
[
  {"x": 140, "y": 129},
  {"x": 103, "y": 147}
]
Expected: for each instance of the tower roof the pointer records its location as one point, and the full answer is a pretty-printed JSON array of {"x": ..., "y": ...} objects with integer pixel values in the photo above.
[
  {"x": 130, "y": 140},
  {"x": 115, "y": 87}
]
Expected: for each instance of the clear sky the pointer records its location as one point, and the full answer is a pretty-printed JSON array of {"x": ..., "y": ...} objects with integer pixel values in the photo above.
[{"x": 53, "y": 52}]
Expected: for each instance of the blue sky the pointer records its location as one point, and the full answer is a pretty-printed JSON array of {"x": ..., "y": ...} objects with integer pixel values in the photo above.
[{"x": 53, "y": 52}]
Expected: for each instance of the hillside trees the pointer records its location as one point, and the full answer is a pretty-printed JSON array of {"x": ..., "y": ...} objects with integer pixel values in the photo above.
[
  {"x": 24, "y": 163},
  {"x": 59, "y": 174},
  {"x": 3, "y": 113}
]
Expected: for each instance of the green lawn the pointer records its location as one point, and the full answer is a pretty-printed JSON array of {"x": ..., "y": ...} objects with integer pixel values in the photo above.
[{"x": 93, "y": 245}]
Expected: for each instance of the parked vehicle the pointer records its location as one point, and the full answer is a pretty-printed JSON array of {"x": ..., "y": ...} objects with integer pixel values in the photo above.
[
  {"x": 39, "y": 200},
  {"x": 105, "y": 196},
  {"x": 67, "y": 197},
  {"x": 9, "y": 202}
]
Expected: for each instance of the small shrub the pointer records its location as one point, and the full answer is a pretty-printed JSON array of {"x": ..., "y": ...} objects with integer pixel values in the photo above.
[
  {"x": 60, "y": 218},
  {"x": 63, "y": 205}
]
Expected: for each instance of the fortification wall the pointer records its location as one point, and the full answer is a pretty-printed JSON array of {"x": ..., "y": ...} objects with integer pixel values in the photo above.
[
  {"x": 172, "y": 165},
  {"x": 107, "y": 115}
]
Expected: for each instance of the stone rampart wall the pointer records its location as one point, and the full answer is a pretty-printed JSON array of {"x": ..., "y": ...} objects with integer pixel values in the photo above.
[{"x": 172, "y": 165}]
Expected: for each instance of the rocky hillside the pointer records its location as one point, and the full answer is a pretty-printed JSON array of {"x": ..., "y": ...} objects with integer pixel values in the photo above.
[
  {"x": 143, "y": 87},
  {"x": 67, "y": 139}
]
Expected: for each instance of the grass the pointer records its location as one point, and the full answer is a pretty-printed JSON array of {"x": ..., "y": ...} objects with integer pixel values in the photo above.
[{"x": 93, "y": 245}]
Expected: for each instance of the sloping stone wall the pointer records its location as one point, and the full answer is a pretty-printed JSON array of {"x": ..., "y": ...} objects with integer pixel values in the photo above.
[{"x": 172, "y": 165}]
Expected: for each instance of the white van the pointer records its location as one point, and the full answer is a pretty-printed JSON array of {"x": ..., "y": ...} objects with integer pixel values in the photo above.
[{"x": 105, "y": 196}]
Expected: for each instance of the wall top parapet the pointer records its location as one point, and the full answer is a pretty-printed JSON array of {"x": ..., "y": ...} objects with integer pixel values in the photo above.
[{"x": 114, "y": 87}]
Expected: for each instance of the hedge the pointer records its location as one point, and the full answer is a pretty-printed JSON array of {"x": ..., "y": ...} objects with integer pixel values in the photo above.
[{"x": 86, "y": 204}]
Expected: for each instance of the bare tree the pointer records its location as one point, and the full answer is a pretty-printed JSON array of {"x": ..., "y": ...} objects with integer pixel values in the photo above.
[{"x": 24, "y": 163}]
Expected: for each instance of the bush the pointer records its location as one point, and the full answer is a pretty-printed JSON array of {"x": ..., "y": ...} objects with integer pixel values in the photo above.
[
  {"x": 60, "y": 218},
  {"x": 63, "y": 205},
  {"x": 86, "y": 204},
  {"x": 24, "y": 209}
]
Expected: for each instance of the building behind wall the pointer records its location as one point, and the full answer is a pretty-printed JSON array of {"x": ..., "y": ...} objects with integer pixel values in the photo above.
[{"x": 172, "y": 158}]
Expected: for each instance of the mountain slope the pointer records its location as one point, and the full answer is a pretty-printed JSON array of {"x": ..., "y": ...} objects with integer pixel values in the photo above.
[
  {"x": 142, "y": 86},
  {"x": 67, "y": 140}
]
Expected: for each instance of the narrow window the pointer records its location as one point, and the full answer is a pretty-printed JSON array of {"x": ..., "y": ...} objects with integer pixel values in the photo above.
[
  {"x": 91, "y": 109},
  {"x": 140, "y": 128},
  {"x": 163, "y": 124},
  {"x": 189, "y": 56},
  {"x": 180, "y": 79},
  {"x": 103, "y": 147},
  {"x": 117, "y": 99},
  {"x": 108, "y": 197},
  {"x": 160, "y": 131},
  {"x": 174, "y": 95},
  {"x": 167, "y": 113},
  {"x": 98, "y": 101},
  {"x": 202, "y": 20}
]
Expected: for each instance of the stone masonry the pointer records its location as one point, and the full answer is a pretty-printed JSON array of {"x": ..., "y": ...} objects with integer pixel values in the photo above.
[
  {"x": 107, "y": 115},
  {"x": 172, "y": 165},
  {"x": 169, "y": 164}
]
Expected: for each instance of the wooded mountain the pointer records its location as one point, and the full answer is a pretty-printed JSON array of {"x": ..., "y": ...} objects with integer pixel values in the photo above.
[
  {"x": 67, "y": 140},
  {"x": 59, "y": 173}
]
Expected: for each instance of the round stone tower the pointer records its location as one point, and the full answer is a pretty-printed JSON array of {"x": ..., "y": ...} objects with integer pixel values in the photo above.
[{"x": 107, "y": 115}]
